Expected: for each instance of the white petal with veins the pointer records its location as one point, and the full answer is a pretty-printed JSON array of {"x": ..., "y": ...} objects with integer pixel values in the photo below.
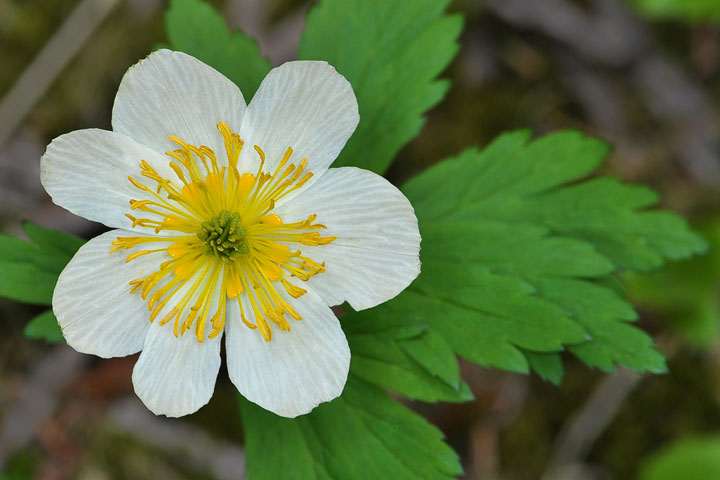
[
  {"x": 304, "y": 105},
  {"x": 92, "y": 299},
  {"x": 173, "y": 94},
  {"x": 295, "y": 371},
  {"x": 86, "y": 172},
  {"x": 175, "y": 376},
  {"x": 375, "y": 255}
]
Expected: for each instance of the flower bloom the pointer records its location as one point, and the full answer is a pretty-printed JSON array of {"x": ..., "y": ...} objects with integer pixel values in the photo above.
[{"x": 227, "y": 220}]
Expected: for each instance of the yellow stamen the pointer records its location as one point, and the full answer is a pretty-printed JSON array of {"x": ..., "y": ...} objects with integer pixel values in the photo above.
[{"x": 222, "y": 242}]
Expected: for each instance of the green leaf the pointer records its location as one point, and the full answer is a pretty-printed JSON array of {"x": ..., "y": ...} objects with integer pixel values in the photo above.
[
  {"x": 523, "y": 181},
  {"x": 362, "y": 434},
  {"x": 391, "y": 52},
  {"x": 688, "y": 459},
  {"x": 604, "y": 313},
  {"x": 61, "y": 242},
  {"x": 14, "y": 250},
  {"x": 486, "y": 317},
  {"x": 548, "y": 366},
  {"x": 44, "y": 326},
  {"x": 519, "y": 248},
  {"x": 29, "y": 270},
  {"x": 685, "y": 293},
  {"x": 26, "y": 283},
  {"x": 195, "y": 28},
  {"x": 432, "y": 352},
  {"x": 398, "y": 353}
]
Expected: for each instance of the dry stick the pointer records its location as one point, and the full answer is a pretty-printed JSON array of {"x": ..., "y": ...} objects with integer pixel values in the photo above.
[
  {"x": 46, "y": 66},
  {"x": 582, "y": 430}
]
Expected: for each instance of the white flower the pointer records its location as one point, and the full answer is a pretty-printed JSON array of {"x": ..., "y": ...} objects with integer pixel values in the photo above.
[{"x": 245, "y": 233}]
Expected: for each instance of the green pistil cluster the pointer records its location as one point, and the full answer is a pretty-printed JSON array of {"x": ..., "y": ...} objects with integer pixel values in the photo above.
[{"x": 223, "y": 236}]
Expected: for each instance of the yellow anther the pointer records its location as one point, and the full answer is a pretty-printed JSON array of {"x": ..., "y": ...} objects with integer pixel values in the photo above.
[
  {"x": 178, "y": 171},
  {"x": 169, "y": 316},
  {"x": 139, "y": 185},
  {"x": 234, "y": 286},
  {"x": 178, "y": 250},
  {"x": 134, "y": 255},
  {"x": 260, "y": 153},
  {"x": 271, "y": 219}
]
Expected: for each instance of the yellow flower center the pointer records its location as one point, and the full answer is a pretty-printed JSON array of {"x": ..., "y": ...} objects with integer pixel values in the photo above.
[{"x": 224, "y": 241}]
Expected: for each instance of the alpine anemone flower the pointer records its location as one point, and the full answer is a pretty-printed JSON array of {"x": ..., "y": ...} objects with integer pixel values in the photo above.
[{"x": 226, "y": 220}]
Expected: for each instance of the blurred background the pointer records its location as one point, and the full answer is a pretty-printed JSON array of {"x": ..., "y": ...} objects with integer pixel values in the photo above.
[{"x": 650, "y": 84}]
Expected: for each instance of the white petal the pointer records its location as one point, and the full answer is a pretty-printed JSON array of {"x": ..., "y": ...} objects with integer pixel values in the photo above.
[
  {"x": 304, "y": 105},
  {"x": 175, "y": 376},
  {"x": 87, "y": 171},
  {"x": 174, "y": 94},
  {"x": 295, "y": 371},
  {"x": 92, "y": 299},
  {"x": 376, "y": 253}
]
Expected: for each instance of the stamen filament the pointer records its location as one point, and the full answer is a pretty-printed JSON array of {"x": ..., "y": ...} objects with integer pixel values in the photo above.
[{"x": 230, "y": 247}]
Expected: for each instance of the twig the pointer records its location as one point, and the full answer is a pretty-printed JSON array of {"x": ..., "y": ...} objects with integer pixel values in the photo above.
[
  {"x": 582, "y": 429},
  {"x": 46, "y": 66}
]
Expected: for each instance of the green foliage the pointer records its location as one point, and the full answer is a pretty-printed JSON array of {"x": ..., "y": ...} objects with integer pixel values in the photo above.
[
  {"x": 392, "y": 53},
  {"x": 44, "y": 327},
  {"x": 548, "y": 366},
  {"x": 690, "y": 10},
  {"x": 685, "y": 293},
  {"x": 195, "y": 28},
  {"x": 518, "y": 255},
  {"x": 362, "y": 434},
  {"x": 689, "y": 459},
  {"x": 52, "y": 240},
  {"x": 403, "y": 355},
  {"x": 29, "y": 270},
  {"x": 388, "y": 50},
  {"x": 520, "y": 250}
]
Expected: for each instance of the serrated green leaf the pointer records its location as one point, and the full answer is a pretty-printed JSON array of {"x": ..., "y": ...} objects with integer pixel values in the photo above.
[
  {"x": 524, "y": 181},
  {"x": 45, "y": 327},
  {"x": 362, "y": 434},
  {"x": 695, "y": 458},
  {"x": 195, "y": 28},
  {"x": 395, "y": 352},
  {"x": 603, "y": 212},
  {"x": 510, "y": 168},
  {"x": 486, "y": 317},
  {"x": 29, "y": 270},
  {"x": 603, "y": 313},
  {"x": 518, "y": 250},
  {"x": 685, "y": 293},
  {"x": 548, "y": 366},
  {"x": 432, "y": 352},
  {"x": 502, "y": 247},
  {"x": 392, "y": 53}
]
